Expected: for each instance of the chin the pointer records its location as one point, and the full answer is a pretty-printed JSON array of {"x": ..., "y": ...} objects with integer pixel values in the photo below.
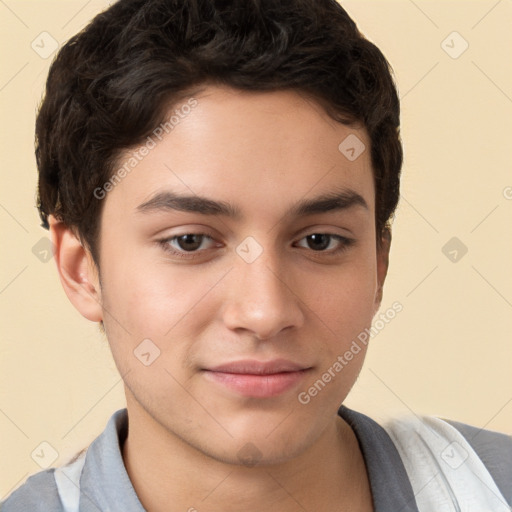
[{"x": 255, "y": 454}]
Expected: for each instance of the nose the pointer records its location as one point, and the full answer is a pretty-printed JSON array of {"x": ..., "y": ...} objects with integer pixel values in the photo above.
[{"x": 261, "y": 300}]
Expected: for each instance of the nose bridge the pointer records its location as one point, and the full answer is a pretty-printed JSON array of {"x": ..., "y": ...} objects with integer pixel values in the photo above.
[
  {"x": 263, "y": 281},
  {"x": 260, "y": 299}
]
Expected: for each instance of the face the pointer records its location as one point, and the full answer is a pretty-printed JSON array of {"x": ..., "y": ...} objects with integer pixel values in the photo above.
[{"x": 242, "y": 249}]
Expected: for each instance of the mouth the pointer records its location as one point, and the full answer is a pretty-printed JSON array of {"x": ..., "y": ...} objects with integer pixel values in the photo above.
[{"x": 258, "y": 379}]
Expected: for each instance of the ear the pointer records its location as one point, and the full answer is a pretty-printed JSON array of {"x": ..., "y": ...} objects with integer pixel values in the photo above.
[
  {"x": 382, "y": 266},
  {"x": 77, "y": 271}
]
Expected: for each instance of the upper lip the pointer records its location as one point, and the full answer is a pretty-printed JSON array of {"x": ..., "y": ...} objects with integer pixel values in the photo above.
[{"x": 254, "y": 367}]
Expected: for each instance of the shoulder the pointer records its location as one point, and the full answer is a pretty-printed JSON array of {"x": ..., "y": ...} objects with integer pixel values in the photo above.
[
  {"x": 495, "y": 450},
  {"x": 37, "y": 494},
  {"x": 488, "y": 443},
  {"x": 468, "y": 457}
]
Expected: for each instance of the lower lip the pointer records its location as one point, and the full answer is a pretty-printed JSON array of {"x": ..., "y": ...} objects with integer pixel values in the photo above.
[{"x": 257, "y": 386}]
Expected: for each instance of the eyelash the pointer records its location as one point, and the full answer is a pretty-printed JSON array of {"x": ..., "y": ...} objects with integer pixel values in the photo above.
[{"x": 345, "y": 243}]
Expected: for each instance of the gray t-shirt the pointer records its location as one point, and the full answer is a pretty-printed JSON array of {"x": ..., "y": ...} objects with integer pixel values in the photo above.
[{"x": 105, "y": 485}]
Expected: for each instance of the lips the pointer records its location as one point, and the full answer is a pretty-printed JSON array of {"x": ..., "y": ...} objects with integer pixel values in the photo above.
[
  {"x": 259, "y": 368},
  {"x": 258, "y": 379}
]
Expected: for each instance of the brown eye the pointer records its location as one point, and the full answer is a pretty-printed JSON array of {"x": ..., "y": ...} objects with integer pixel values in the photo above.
[
  {"x": 318, "y": 242},
  {"x": 189, "y": 242},
  {"x": 326, "y": 243}
]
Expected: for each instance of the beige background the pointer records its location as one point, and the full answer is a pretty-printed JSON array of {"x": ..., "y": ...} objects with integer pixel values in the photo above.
[{"x": 448, "y": 353}]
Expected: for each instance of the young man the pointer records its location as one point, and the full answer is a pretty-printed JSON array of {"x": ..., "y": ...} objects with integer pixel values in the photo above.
[{"x": 218, "y": 179}]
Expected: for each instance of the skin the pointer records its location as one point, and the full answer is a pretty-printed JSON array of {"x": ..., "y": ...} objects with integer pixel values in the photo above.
[{"x": 262, "y": 153}]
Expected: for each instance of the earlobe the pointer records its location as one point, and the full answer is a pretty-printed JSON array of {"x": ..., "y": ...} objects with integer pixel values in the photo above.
[{"x": 77, "y": 271}]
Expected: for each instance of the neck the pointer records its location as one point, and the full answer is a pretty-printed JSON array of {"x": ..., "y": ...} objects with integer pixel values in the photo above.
[{"x": 163, "y": 469}]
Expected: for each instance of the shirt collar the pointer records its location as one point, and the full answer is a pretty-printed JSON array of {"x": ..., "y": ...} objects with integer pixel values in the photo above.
[{"x": 390, "y": 485}]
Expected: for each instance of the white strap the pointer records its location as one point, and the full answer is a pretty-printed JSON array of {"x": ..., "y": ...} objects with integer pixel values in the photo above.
[
  {"x": 67, "y": 479},
  {"x": 445, "y": 472}
]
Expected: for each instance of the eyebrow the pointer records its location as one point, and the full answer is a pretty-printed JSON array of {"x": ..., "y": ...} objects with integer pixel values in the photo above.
[
  {"x": 330, "y": 202},
  {"x": 334, "y": 201},
  {"x": 170, "y": 201}
]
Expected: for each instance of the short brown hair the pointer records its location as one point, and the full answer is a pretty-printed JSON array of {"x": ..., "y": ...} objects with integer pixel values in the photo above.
[{"x": 111, "y": 84}]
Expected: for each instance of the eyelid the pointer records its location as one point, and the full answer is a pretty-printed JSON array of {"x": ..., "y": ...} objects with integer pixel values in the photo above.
[
  {"x": 323, "y": 229},
  {"x": 165, "y": 243},
  {"x": 344, "y": 241},
  {"x": 205, "y": 237}
]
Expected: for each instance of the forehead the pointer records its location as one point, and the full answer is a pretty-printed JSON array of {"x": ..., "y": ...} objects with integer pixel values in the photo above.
[{"x": 251, "y": 149}]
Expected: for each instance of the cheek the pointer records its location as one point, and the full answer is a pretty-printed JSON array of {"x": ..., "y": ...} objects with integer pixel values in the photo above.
[
  {"x": 342, "y": 310},
  {"x": 153, "y": 300},
  {"x": 340, "y": 315},
  {"x": 343, "y": 297}
]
